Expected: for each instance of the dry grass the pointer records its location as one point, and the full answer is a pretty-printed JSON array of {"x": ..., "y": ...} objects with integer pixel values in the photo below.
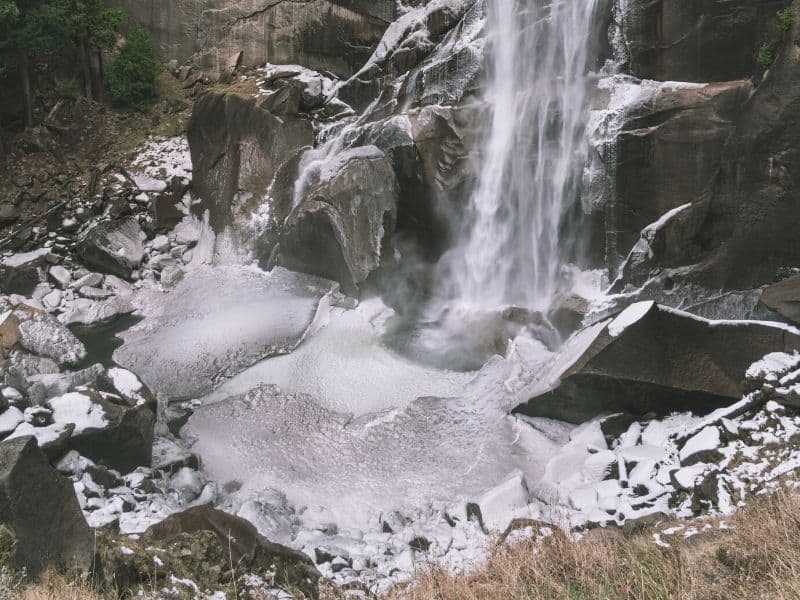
[{"x": 758, "y": 558}]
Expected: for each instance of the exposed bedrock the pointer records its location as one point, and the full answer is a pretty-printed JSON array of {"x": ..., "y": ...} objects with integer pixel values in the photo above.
[
  {"x": 237, "y": 148},
  {"x": 325, "y": 35},
  {"x": 673, "y": 40},
  {"x": 653, "y": 359},
  {"x": 731, "y": 160}
]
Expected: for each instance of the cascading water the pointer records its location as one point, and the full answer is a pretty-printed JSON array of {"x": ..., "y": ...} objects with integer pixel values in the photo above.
[{"x": 514, "y": 243}]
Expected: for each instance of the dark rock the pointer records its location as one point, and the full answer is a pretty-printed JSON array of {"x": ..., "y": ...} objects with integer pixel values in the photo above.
[
  {"x": 653, "y": 359},
  {"x": 113, "y": 247},
  {"x": 9, "y": 213},
  {"x": 639, "y": 524},
  {"x": 39, "y": 505},
  {"x": 671, "y": 40},
  {"x": 342, "y": 229},
  {"x": 165, "y": 206},
  {"x": 19, "y": 273},
  {"x": 125, "y": 443},
  {"x": 237, "y": 148},
  {"x": 243, "y": 546},
  {"x": 784, "y": 298}
]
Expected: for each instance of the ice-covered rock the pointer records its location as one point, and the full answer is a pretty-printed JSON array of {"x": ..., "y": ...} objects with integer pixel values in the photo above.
[{"x": 215, "y": 323}]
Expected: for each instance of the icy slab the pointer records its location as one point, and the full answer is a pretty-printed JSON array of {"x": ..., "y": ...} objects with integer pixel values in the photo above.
[
  {"x": 346, "y": 368},
  {"x": 706, "y": 439},
  {"x": 348, "y": 471},
  {"x": 215, "y": 323}
]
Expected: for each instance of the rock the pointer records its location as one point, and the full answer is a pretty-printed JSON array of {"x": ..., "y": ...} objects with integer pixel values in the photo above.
[
  {"x": 237, "y": 148},
  {"x": 242, "y": 544},
  {"x": 47, "y": 386},
  {"x": 784, "y": 298},
  {"x": 9, "y": 213},
  {"x": 36, "y": 331},
  {"x": 39, "y": 506},
  {"x": 166, "y": 206},
  {"x": 19, "y": 272},
  {"x": 499, "y": 503},
  {"x": 88, "y": 312},
  {"x": 113, "y": 247},
  {"x": 702, "y": 447},
  {"x": 669, "y": 40},
  {"x": 60, "y": 276},
  {"x": 655, "y": 359},
  {"x": 342, "y": 229},
  {"x": 324, "y": 35},
  {"x": 669, "y": 149},
  {"x": 116, "y": 435},
  {"x": 740, "y": 228}
]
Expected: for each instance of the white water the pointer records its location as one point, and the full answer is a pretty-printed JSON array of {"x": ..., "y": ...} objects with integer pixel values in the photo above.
[{"x": 514, "y": 241}]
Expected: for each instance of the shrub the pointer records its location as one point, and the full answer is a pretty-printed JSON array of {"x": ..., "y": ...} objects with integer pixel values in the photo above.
[
  {"x": 783, "y": 23},
  {"x": 132, "y": 77},
  {"x": 785, "y": 18},
  {"x": 67, "y": 89}
]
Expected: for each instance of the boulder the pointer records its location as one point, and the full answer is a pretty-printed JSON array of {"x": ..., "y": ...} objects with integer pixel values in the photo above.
[
  {"x": 672, "y": 40},
  {"x": 242, "y": 545},
  {"x": 342, "y": 229},
  {"x": 113, "y": 247},
  {"x": 217, "y": 35},
  {"x": 784, "y": 298},
  {"x": 39, "y": 505},
  {"x": 19, "y": 273},
  {"x": 653, "y": 359},
  {"x": 237, "y": 148},
  {"x": 39, "y": 333}
]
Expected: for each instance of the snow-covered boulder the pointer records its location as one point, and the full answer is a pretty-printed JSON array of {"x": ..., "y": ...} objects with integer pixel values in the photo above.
[
  {"x": 37, "y": 332},
  {"x": 651, "y": 358}
]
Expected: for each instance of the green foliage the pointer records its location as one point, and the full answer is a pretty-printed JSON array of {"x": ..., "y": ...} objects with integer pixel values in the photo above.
[
  {"x": 93, "y": 20},
  {"x": 67, "y": 89},
  {"x": 132, "y": 77},
  {"x": 766, "y": 54},
  {"x": 785, "y": 18},
  {"x": 767, "y": 50}
]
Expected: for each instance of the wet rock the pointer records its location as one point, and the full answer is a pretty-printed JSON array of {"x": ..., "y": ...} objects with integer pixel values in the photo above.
[
  {"x": 653, "y": 359},
  {"x": 342, "y": 229},
  {"x": 113, "y": 247},
  {"x": 39, "y": 506}
]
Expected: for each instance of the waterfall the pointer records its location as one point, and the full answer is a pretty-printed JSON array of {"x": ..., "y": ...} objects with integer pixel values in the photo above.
[{"x": 515, "y": 239}]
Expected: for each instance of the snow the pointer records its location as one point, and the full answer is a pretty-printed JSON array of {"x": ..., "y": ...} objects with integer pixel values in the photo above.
[
  {"x": 773, "y": 364},
  {"x": 706, "y": 439},
  {"x": 25, "y": 259},
  {"x": 9, "y": 420},
  {"x": 80, "y": 409},
  {"x": 162, "y": 159},
  {"x": 127, "y": 384},
  {"x": 629, "y": 316}
]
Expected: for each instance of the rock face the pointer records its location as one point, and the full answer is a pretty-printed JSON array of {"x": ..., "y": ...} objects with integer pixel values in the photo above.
[
  {"x": 653, "y": 359},
  {"x": 326, "y": 35},
  {"x": 342, "y": 229},
  {"x": 39, "y": 506},
  {"x": 237, "y": 148},
  {"x": 113, "y": 247},
  {"x": 669, "y": 149},
  {"x": 671, "y": 40}
]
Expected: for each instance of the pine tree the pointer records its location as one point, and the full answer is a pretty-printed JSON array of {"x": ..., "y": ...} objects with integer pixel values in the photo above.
[{"x": 132, "y": 77}]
